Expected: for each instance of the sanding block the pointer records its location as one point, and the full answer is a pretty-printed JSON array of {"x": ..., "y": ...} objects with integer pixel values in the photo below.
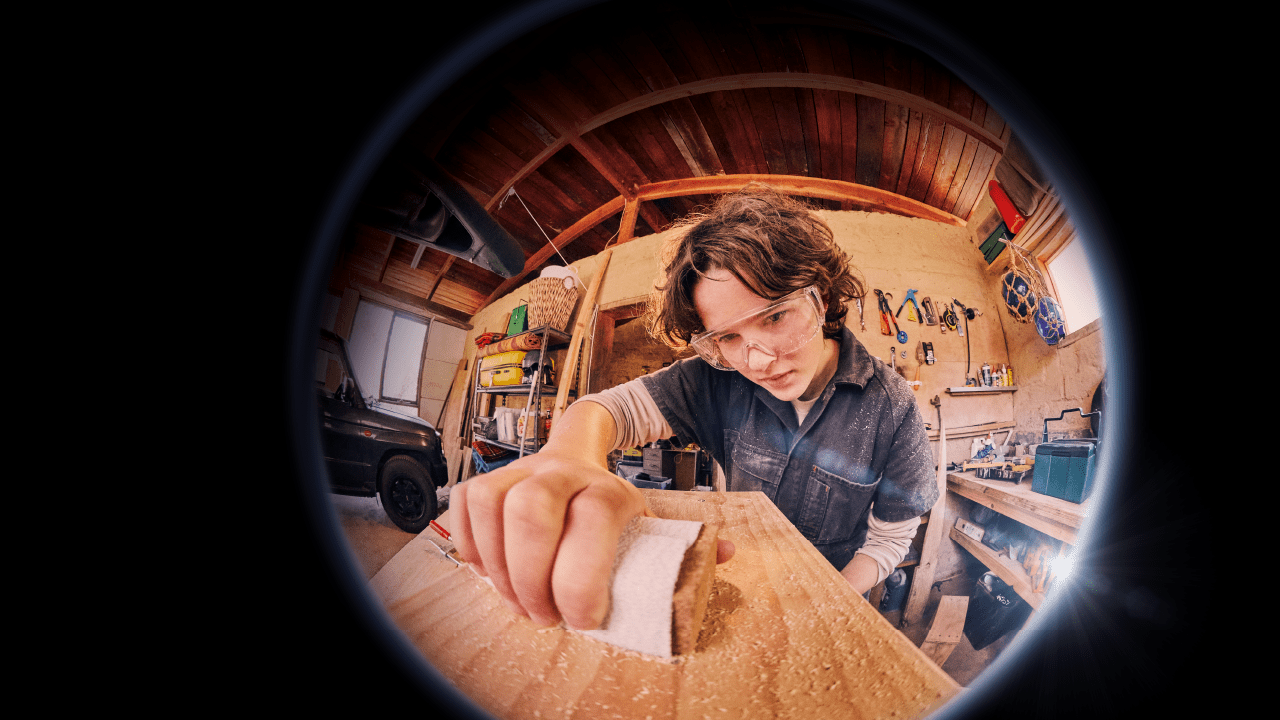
[{"x": 660, "y": 586}]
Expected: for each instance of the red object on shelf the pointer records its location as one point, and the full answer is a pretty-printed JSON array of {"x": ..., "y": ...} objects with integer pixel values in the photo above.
[{"x": 1012, "y": 218}]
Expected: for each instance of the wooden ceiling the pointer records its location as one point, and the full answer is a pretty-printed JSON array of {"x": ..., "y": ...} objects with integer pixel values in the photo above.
[{"x": 609, "y": 125}]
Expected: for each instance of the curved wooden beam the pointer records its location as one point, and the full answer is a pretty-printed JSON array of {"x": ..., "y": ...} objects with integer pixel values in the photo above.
[
  {"x": 796, "y": 80},
  {"x": 800, "y": 185}
]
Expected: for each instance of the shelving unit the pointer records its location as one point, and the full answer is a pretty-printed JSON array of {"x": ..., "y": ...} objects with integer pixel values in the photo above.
[
  {"x": 1059, "y": 519},
  {"x": 533, "y": 437}
]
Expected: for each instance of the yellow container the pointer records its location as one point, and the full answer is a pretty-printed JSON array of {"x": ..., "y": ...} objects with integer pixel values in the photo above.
[
  {"x": 501, "y": 377},
  {"x": 514, "y": 357}
]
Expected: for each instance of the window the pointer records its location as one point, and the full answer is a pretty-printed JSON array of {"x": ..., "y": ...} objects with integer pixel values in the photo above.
[
  {"x": 1073, "y": 282},
  {"x": 386, "y": 349}
]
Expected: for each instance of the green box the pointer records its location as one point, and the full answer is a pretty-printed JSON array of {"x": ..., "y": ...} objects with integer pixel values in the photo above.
[{"x": 995, "y": 242}]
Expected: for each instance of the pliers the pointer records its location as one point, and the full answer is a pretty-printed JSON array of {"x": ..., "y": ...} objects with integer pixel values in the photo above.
[{"x": 886, "y": 316}]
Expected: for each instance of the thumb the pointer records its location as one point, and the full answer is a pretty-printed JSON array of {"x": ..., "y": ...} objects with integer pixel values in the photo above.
[{"x": 724, "y": 550}]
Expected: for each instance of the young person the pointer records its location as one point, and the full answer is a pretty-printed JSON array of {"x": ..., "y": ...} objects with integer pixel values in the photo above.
[{"x": 780, "y": 393}]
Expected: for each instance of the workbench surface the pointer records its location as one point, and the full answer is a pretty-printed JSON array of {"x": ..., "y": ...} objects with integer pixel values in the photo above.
[{"x": 784, "y": 636}]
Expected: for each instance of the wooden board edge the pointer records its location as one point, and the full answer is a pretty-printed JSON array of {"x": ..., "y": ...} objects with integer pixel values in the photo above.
[{"x": 693, "y": 591}]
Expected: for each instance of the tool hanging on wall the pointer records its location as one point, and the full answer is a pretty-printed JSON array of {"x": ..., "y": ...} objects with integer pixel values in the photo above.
[
  {"x": 886, "y": 317},
  {"x": 929, "y": 357},
  {"x": 861, "y": 323},
  {"x": 969, "y": 314},
  {"x": 911, "y": 298},
  {"x": 930, "y": 317},
  {"x": 948, "y": 317}
]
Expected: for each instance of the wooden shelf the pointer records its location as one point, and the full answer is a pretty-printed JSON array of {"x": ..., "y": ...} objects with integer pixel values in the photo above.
[
  {"x": 1052, "y": 516},
  {"x": 521, "y": 389},
  {"x": 980, "y": 390},
  {"x": 1006, "y": 569},
  {"x": 528, "y": 445}
]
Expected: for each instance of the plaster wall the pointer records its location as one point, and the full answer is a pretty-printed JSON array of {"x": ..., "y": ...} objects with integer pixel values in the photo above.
[{"x": 893, "y": 254}]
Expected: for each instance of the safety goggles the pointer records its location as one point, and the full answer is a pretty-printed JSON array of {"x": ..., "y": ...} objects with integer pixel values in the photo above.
[{"x": 777, "y": 329}]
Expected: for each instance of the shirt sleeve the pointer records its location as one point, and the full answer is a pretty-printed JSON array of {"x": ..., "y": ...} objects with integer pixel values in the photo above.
[
  {"x": 635, "y": 414},
  {"x": 888, "y": 543}
]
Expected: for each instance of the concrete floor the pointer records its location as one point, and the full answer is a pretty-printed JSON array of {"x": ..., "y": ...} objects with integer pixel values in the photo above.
[{"x": 374, "y": 540}]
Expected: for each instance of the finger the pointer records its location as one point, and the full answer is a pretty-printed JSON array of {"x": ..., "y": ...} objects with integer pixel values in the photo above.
[
  {"x": 485, "y": 499},
  {"x": 533, "y": 522},
  {"x": 724, "y": 550},
  {"x": 593, "y": 524},
  {"x": 461, "y": 535}
]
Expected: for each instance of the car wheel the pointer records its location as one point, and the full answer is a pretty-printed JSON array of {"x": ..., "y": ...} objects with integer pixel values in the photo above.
[{"x": 407, "y": 494}]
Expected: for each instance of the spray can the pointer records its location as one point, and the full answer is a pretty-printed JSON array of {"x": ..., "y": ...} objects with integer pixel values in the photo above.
[{"x": 986, "y": 374}]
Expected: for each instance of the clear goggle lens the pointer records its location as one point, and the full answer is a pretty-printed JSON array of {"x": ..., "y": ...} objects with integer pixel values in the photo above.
[{"x": 777, "y": 330}]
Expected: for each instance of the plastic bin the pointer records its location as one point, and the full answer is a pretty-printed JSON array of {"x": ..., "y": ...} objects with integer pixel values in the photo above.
[
  {"x": 651, "y": 482},
  {"x": 994, "y": 610},
  {"x": 1064, "y": 469},
  {"x": 485, "y": 466}
]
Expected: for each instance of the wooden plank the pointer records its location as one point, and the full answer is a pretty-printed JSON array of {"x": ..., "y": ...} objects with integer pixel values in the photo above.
[
  {"x": 922, "y": 579},
  {"x": 947, "y": 628},
  {"x": 1052, "y": 516},
  {"x": 1005, "y": 568},
  {"x": 580, "y": 327},
  {"x": 975, "y": 431},
  {"x": 784, "y": 636}
]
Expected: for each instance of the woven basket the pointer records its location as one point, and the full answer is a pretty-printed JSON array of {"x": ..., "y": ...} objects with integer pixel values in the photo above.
[{"x": 551, "y": 303}]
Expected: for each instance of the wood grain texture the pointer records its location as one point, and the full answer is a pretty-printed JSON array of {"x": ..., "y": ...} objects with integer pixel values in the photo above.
[
  {"x": 948, "y": 626},
  {"x": 784, "y": 636},
  {"x": 1052, "y": 516},
  {"x": 693, "y": 591}
]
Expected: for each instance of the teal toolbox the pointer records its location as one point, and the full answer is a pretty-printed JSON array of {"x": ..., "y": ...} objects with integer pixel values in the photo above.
[{"x": 1065, "y": 468}]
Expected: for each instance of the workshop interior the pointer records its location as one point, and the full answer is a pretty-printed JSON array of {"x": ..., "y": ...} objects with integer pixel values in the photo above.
[{"x": 497, "y": 265}]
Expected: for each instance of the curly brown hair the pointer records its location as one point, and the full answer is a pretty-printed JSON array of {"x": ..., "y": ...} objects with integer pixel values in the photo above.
[{"x": 772, "y": 243}]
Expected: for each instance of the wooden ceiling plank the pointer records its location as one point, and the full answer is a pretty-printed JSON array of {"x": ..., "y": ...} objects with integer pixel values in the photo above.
[
  {"x": 826, "y": 103},
  {"x": 967, "y": 154},
  {"x": 757, "y": 80},
  {"x": 778, "y": 51},
  {"x": 399, "y": 298},
  {"x": 696, "y": 136},
  {"x": 762, "y": 116},
  {"x": 707, "y": 55},
  {"x": 944, "y": 172},
  {"x": 870, "y": 153},
  {"x": 654, "y": 217},
  {"x": 896, "y": 119},
  {"x": 926, "y": 157},
  {"x": 500, "y": 159},
  {"x": 595, "y": 217},
  {"x": 977, "y": 168}
]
